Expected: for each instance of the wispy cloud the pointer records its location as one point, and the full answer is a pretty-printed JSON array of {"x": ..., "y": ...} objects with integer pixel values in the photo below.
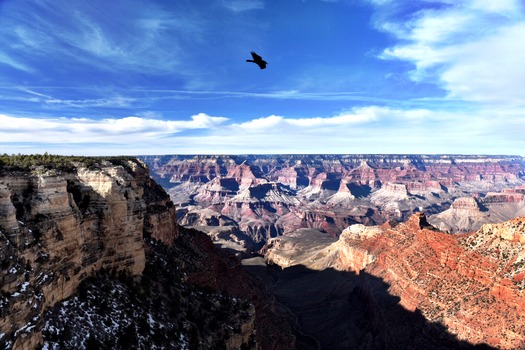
[
  {"x": 7, "y": 60},
  {"x": 279, "y": 95},
  {"x": 112, "y": 102},
  {"x": 128, "y": 97},
  {"x": 143, "y": 37},
  {"x": 242, "y": 5},
  {"x": 148, "y": 43},
  {"x": 472, "y": 49}
]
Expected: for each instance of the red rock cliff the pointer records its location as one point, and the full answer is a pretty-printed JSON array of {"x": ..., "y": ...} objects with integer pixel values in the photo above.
[{"x": 473, "y": 284}]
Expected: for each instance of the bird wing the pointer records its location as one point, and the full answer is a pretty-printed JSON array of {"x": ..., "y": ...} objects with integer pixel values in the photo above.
[{"x": 255, "y": 56}]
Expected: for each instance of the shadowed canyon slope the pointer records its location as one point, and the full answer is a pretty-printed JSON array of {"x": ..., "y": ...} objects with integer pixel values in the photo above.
[
  {"x": 246, "y": 200},
  {"x": 473, "y": 284}
]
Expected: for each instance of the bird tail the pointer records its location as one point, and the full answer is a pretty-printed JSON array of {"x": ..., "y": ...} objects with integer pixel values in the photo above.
[{"x": 250, "y": 61}]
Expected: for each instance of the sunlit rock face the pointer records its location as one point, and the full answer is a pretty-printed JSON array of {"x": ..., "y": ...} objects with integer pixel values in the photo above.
[
  {"x": 467, "y": 214},
  {"x": 264, "y": 196},
  {"x": 464, "y": 214},
  {"x": 57, "y": 228},
  {"x": 473, "y": 284}
]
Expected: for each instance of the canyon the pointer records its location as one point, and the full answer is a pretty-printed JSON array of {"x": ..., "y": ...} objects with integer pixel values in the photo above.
[
  {"x": 374, "y": 242},
  {"x": 471, "y": 284},
  {"x": 91, "y": 257},
  {"x": 245, "y": 200},
  {"x": 263, "y": 252}
]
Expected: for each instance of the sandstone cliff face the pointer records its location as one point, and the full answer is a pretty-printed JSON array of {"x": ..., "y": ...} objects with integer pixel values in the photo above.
[
  {"x": 93, "y": 257},
  {"x": 505, "y": 197},
  {"x": 468, "y": 214},
  {"x": 473, "y": 284},
  {"x": 56, "y": 229},
  {"x": 464, "y": 214}
]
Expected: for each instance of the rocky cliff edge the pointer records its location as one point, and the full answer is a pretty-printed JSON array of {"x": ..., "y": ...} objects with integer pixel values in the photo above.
[
  {"x": 58, "y": 227},
  {"x": 473, "y": 284}
]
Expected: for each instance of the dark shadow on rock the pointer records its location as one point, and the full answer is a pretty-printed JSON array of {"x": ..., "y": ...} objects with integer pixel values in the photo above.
[
  {"x": 331, "y": 184},
  {"x": 343, "y": 310},
  {"x": 359, "y": 191},
  {"x": 482, "y": 206},
  {"x": 229, "y": 184}
]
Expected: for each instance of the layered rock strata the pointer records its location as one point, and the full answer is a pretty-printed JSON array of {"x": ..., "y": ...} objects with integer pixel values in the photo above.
[
  {"x": 92, "y": 257},
  {"x": 472, "y": 284},
  {"x": 298, "y": 171},
  {"x": 470, "y": 213},
  {"x": 333, "y": 191},
  {"x": 58, "y": 228},
  {"x": 463, "y": 214}
]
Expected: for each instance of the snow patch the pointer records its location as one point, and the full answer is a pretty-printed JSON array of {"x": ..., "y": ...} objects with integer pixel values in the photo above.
[{"x": 24, "y": 286}]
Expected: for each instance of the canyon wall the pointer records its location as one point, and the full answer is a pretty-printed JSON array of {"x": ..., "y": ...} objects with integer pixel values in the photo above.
[
  {"x": 91, "y": 256},
  {"x": 263, "y": 196},
  {"x": 298, "y": 171},
  {"x": 472, "y": 284},
  {"x": 59, "y": 227}
]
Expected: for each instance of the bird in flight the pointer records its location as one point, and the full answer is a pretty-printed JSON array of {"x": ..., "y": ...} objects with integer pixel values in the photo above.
[{"x": 258, "y": 60}]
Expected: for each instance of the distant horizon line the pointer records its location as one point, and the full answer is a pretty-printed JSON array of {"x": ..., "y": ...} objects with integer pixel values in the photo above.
[
  {"x": 270, "y": 154},
  {"x": 330, "y": 154}
]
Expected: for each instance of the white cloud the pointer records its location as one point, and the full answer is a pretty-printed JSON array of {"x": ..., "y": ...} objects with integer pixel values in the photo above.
[
  {"x": 472, "y": 49},
  {"x": 375, "y": 129},
  {"x": 353, "y": 117},
  {"x": 371, "y": 129},
  {"x": 504, "y": 7},
  {"x": 356, "y": 116},
  {"x": 83, "y": 130},
  {"x": 262, "y": 124},
  {"x": 489, "y": 70}
]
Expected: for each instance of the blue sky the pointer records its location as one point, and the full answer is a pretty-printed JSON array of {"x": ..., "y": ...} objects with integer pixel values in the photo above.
[{"x": 344, "y": 76}]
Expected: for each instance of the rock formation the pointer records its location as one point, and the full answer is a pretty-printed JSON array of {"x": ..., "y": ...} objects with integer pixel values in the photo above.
[
  {"x": 61, "y": 227},
  {"x": 468, "y": 214},
  {"x": 472, "y": 284},
  {"x": 343, "y": 197},
  {"x": 464, "y": 213},
  {"x": 333, "y": 191}
]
